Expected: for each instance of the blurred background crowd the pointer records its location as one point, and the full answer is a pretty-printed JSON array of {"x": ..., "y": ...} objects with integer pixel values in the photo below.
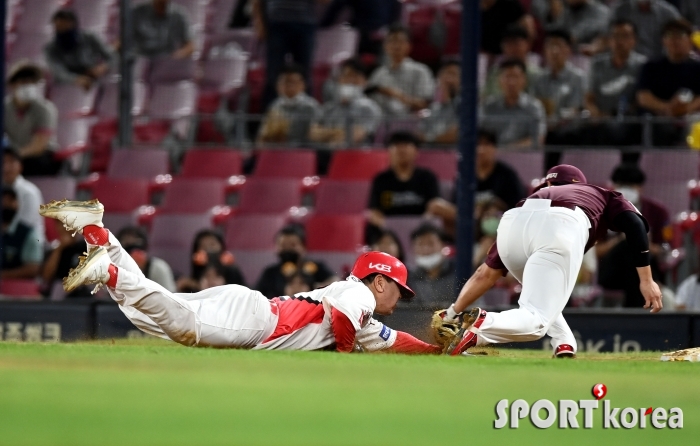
[{"x": 274, "y": 140}]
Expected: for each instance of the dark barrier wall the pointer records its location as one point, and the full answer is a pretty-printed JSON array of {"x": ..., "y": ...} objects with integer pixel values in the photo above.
[{"x": 596, "y": 330}]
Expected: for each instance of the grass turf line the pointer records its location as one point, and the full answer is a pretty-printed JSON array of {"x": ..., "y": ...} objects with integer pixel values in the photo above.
[{"x": 151, "y": 392}]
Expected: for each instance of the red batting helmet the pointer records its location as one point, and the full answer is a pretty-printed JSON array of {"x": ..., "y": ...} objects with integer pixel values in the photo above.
[{"x": 385, "y": 264}]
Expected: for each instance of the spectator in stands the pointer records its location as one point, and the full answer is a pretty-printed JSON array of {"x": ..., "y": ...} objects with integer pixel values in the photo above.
[
  {"x": 442, "y": 125},
  {"x": 28, "y": 195},
  {"x": 489, "y": 215},
  {"x": 291, "y": 251},
  {"x": 403, "y": 189},
  {"x": 298, "y": 283},
  {"x": 349, "y": 109},
  {"x": 649, "y": 16},
  {"x": 517, "y": 119},
  {"x": 161, "y": 28},
  {"x": 611, "y": 88},
  {"x": 31, "y": 121},
  {"x": 587, "y": 20},
  {"x": 287, "y": 27},
  {"x": 387, "y": 241},
  {"x": 209, "y": 252},
  {"x": 515, "y": 44},
  {"x": 76, "y": 56},
  {"x": 433, "y": 279},
  {"x": 670, "y": 86},
  {"x": 289, "y": 118},
  {"x": 690, "y": 9},
  {"x": 64, "y": 256},
  {"x": 495, "y": 180},
  {"x": 617, "y": 270},
  {"x": 135, "y": 241},
  {"x": 688, "y": 295},
  {"x": 22, "y": 252},
  {"x": 402, "y": 85},
  {"x": 561, "y": 86},
  {"x": 369, "y": 17},
  {"x": 496, "y": 16}
]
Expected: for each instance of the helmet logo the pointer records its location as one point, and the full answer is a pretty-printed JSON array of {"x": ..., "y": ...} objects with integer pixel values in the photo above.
[{"x": 380, "y": 267}]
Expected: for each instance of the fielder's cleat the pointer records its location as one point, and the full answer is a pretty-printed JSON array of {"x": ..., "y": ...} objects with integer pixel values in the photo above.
[
  {"x": 465, "y": 338},
  {"x": 74, "y": 215},
  {"x": 93, "y": 268},
  {"x": 564, "y": 351}
]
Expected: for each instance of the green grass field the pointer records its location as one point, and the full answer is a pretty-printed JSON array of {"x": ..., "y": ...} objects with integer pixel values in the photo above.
[{"x": 152, "y": 393}]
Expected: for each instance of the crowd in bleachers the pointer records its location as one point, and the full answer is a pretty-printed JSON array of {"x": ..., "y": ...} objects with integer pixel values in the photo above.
[{"x": 213, "y": 79}]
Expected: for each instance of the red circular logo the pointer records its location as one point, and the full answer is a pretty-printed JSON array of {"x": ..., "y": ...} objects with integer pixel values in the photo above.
[{"x": 599, "y": 391}]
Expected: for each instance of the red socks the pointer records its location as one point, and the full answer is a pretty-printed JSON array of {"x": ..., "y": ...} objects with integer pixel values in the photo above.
[
  {"x": 113, "y": 272},
  {"x": 96, "y": 235}
]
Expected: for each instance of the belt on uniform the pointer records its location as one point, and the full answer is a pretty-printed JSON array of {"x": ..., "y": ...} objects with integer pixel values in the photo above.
[{"x": 554, "y": 204}]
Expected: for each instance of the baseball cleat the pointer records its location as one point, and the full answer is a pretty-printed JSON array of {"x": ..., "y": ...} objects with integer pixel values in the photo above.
[
  {"x": 465, "y": 338},
  {"x": 564, "y": 351},
  {"x": 93, "y": 268},
  {"x": 74, "y": 215}
]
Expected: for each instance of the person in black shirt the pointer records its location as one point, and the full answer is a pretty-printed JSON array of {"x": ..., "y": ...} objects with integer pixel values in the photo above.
[
  {"x": 670, "y": 86},
  {"x": 291, "y": 250},
  {"x": 494, "y": 179},
  {"x": 60, "y": 261},
  {"x": 403, "y": 189},
  {"x": 496, "y": 16}
]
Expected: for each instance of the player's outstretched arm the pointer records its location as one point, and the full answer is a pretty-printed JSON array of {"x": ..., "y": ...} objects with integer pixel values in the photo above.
[
  {"x": 408, "y": 344},
  {"x": 480, "y": 282}
]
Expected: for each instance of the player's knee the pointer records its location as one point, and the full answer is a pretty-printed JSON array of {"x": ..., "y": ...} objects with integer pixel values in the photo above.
[{"x": 187, "y": 338}]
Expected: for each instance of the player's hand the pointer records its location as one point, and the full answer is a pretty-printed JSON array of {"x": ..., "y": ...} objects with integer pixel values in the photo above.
[
  {"x": 652, "y": 295},
  {"x": 445, "y": 325}
]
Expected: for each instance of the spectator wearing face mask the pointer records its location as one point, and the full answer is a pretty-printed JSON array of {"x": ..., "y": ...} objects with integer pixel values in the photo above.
[
  {"x": 209, "y": 249},
  {"x": 433, "y": 278},
  {"x": 490, "y": 214},
  {"x": 616, "y": 268},
  {"x": 135, "y": 241},
  {"x": 442, "y": 125},
  {"x": 291, "y": 251},
  {"x": 76, "y": 56},
  {"x": 350, "y": 110},
  {"x": 21, "y": 251},
  {"x": 31, "y": 121},
  {"x": 289, "y": 117}
]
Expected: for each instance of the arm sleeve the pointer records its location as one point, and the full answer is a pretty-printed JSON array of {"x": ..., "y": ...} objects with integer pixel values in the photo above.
[
  {"x": 103, "y": 49},
  {"x": 635, "y": 230},
  {"x": 405, "y": 343},
  {"x": 493, "y": 260},
  {"x": 343, "y": 331},
  {"x": 59, "y": 71}
]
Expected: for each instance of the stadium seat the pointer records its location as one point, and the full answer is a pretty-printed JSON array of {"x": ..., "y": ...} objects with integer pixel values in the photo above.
[
  {"x": 173, "y": 100},
  {"x": 222, "y": 41},
  {"x": 388, "y": 127},
  {"x": 221, "y": 12},
  {"x": 404, "y": 226},
  {"x": 28, "y": 46},
  {"x": 166, "y": 70},
  {"x": 528, "y": 165},
  {"x": 94, "y": 15},
  {"x": 35, "y": 16},
  {"x": 108, "y": 106},
  {"x": 73, "y": 139},
  {"x": 335, "y": 233},
  {"x": 251, "y": 239},
  {"x": 224, "y": 74},
  {"x": 358, "y": 164},
  {"x": 211, "y": 163},
  {"x": 171, "y": 238},
  {"x": 334, "y": 45},
  {"x": 55, "y": 187},
  {"x": 119, "y": 195},
  {"x": 72, "y": 101},
  {"x": 131, "y": 163},
  {"x": 342, "y": 197},
  {"x": 453, "y": 21},
  {"x": 20, "y": 288},
  {"x": 285, "y": 164},
  {"x": 269, "y": 196},
  {"x": 442, "y": 163},
  {"x": 193, "y": 195},
  {"x": 669, "y": 166},
  {"x": 596, "y": 164}
]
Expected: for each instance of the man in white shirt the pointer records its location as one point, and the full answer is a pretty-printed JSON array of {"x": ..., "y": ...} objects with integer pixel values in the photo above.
[{"x": 28, "y": 195}]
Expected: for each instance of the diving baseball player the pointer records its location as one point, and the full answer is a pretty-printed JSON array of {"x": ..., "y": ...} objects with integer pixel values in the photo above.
[
  {"x": 338, "y": 316},
  {"x": 542, "y": 242}
]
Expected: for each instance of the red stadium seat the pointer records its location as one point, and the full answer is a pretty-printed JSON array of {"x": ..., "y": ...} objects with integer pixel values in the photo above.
[
  {"x": 166, "y": 70},
  {"x": 193, "y": 195},
  {"x": 335, "y": 233},
  {"x": 269, "y": 196},
  {"x": 108, "y": 106},
  {"x": 20, "y": 288},
  {"x": 443, "y": 163},
  {"x": 342, "y": 197},
  {"x": 146, "y": 164},
  {"x": 171, "y": 238},
  {"x": 358, "y": 164},
  {"x": 72, "y": 100},
  {"x": 212, "y": 163},
  {"x": 73, "y": 140},
  {"x": 285, "y": 164},
  {"x": 55, "y": 188},
  {"x": 253, "y": 232},
  {"x": 596, "y": 164},
  {"x": 121, "y": 194},
  {"x": 173, "y": 101},
  {"x": 419, "y": 19}
]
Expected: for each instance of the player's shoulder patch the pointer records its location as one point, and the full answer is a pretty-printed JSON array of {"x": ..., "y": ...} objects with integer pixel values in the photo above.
[{"x": 385, "y": 333}]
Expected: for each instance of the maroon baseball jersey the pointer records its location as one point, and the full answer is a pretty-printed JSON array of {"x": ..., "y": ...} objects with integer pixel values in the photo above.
[{"x": 600, "y": 205}]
